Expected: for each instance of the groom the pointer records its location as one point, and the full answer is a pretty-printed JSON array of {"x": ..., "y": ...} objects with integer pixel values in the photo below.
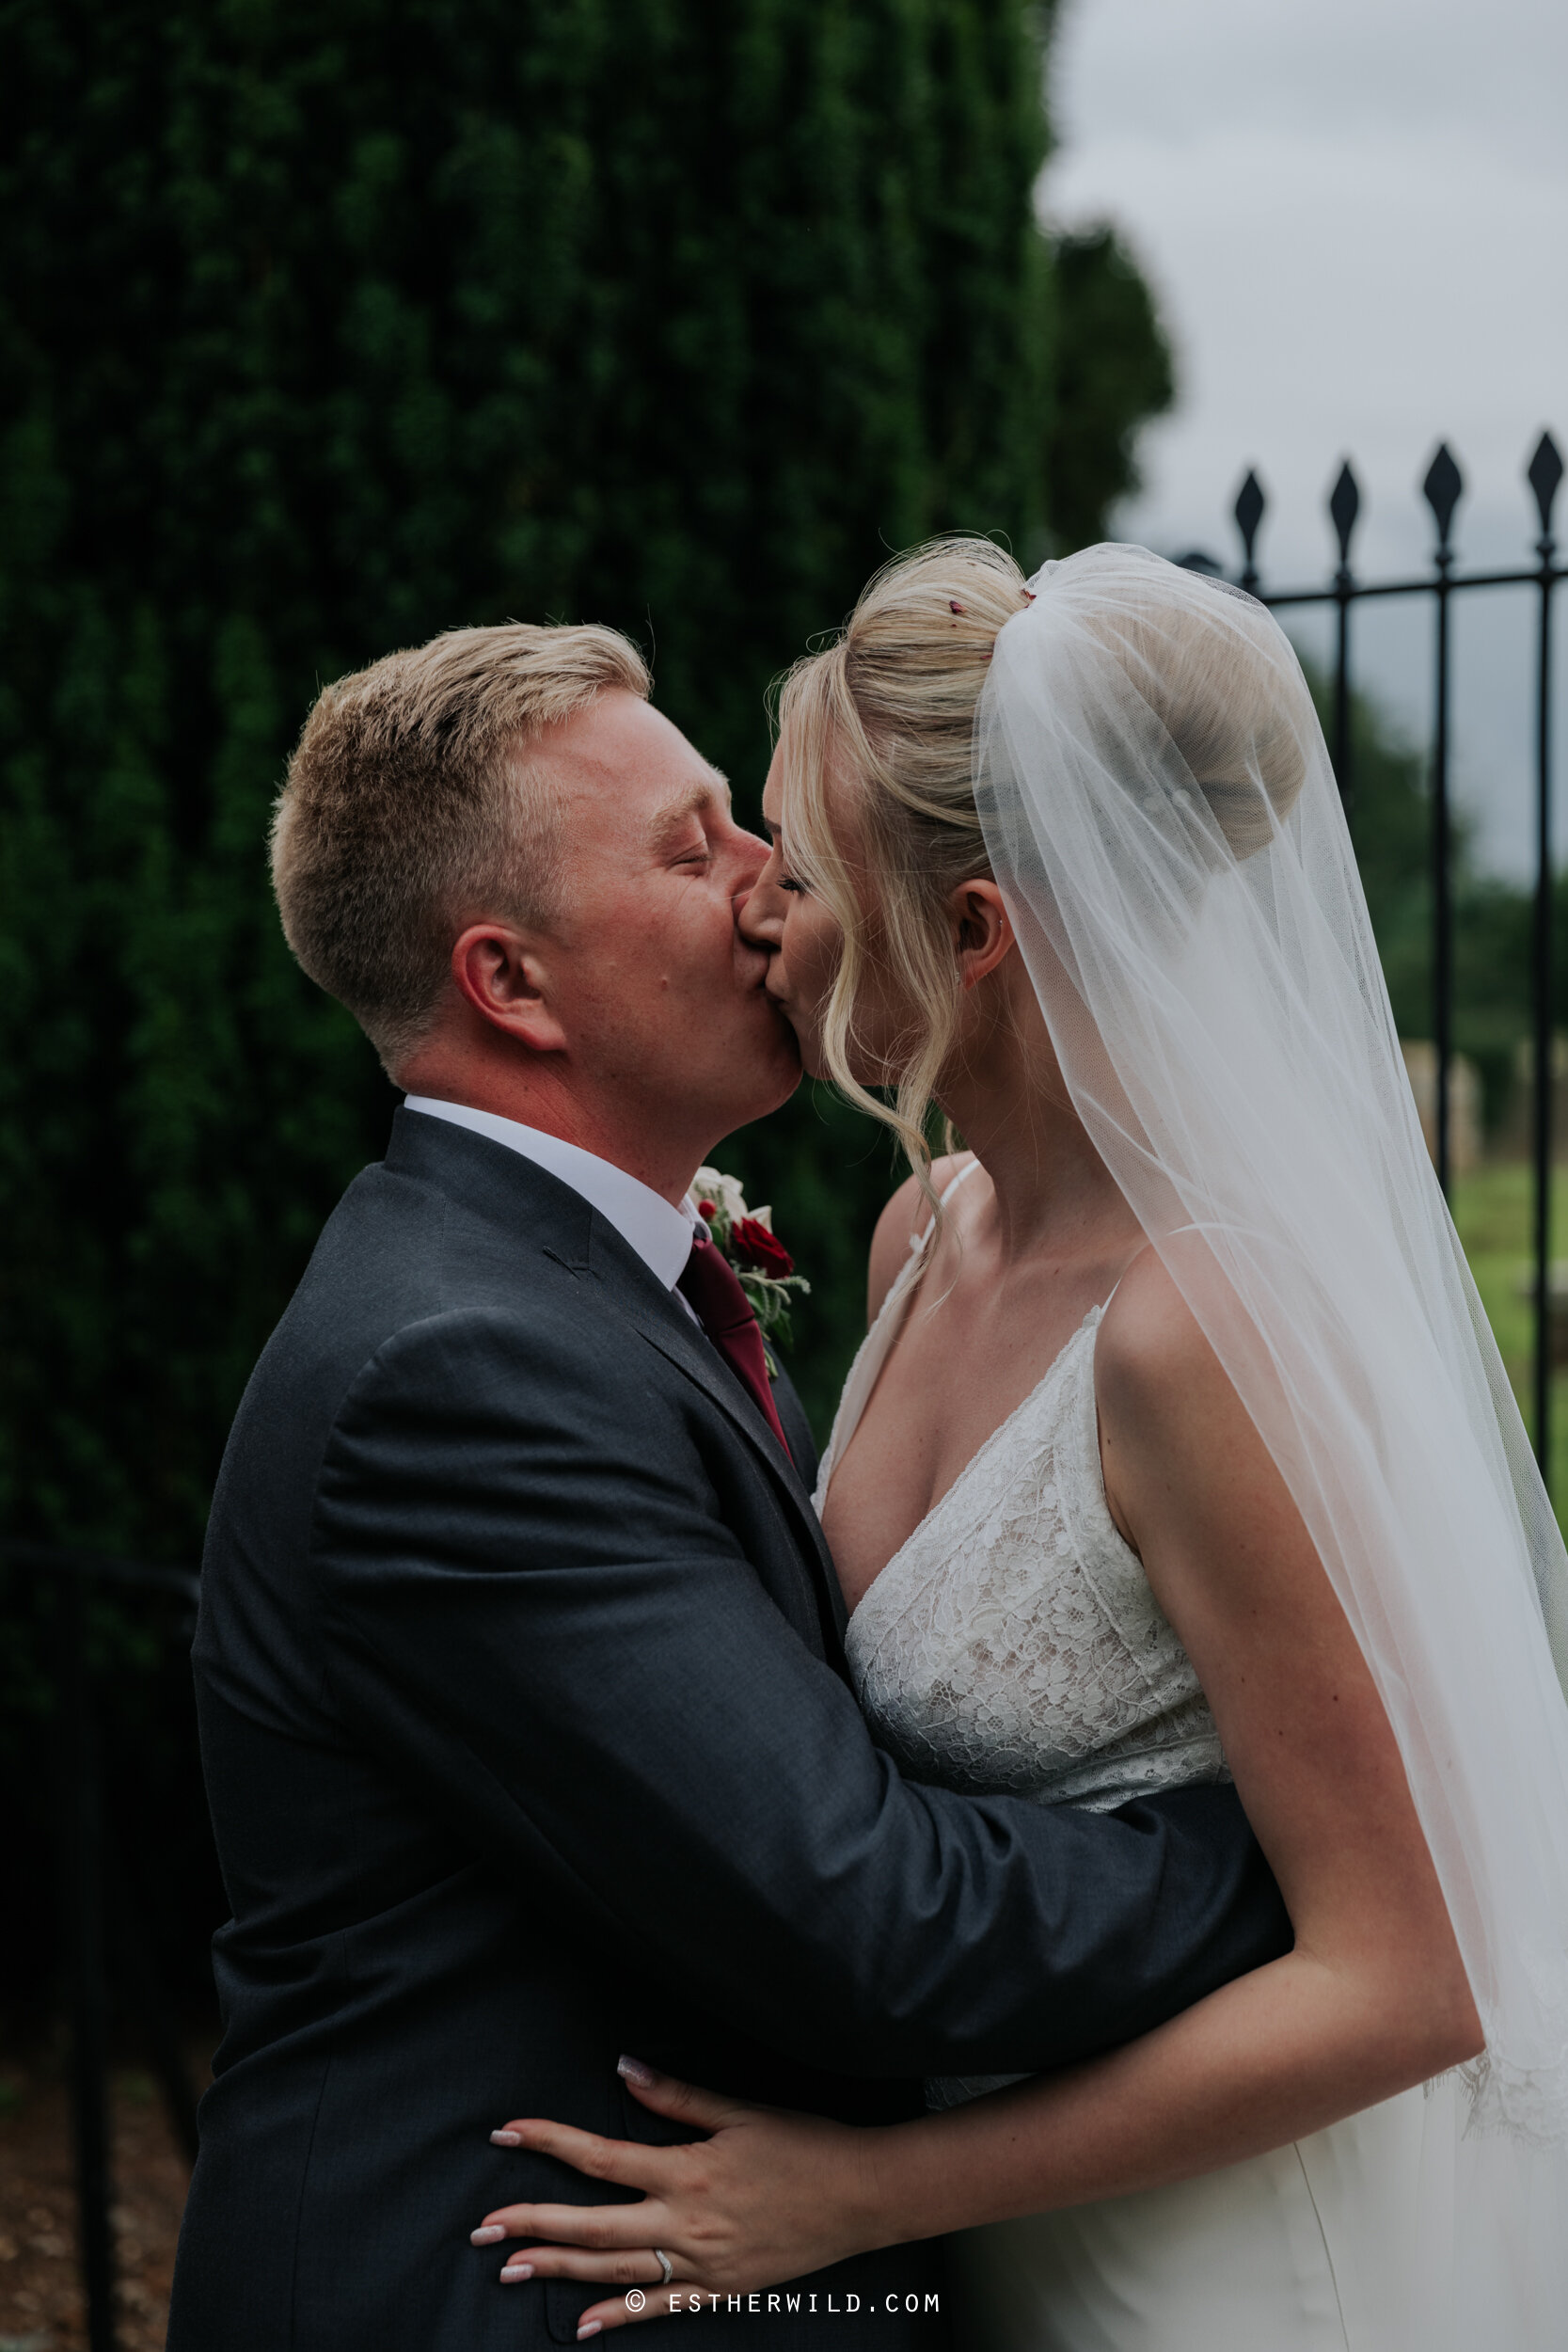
[{"x": 520, "y": 1668}]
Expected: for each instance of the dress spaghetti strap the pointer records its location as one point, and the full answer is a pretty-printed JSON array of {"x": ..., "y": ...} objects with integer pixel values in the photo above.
[
  {"x": 919, "y": 1241},
  {"x": 877, "y": 1343}
]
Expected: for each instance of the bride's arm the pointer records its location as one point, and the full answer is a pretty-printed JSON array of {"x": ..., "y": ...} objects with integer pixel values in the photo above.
[{"x": 1372, "y": 1999}]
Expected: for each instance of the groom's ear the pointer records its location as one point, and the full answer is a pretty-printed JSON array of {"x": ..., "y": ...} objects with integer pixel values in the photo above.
[
  {"x": 499, "y": 974},
  {"x": 982, "y": 933}
]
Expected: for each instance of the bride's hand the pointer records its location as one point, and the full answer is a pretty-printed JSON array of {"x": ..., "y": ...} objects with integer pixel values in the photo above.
[{"x": 765, "y": 2195}]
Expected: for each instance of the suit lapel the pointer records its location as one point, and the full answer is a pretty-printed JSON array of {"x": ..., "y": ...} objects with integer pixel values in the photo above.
[
  {"x": 512, "y": 1191},
  {"x": 654, "y": 1312}
]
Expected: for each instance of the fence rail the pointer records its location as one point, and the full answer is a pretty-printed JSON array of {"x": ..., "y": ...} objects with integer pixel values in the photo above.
[{"x": 1443, "y": 487}]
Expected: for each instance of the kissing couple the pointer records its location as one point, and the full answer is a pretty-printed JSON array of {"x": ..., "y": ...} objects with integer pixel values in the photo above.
[{"x": 1084, "y": 1868}]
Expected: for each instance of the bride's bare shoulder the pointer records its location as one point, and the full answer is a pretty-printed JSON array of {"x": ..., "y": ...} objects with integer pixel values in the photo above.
[
  {"x": 1171, "y": 1423},
  {"x": 1149, "y": 1342},
  {"x": 906, "y": 1216},
  {"x": 1172, "y": 1429}
]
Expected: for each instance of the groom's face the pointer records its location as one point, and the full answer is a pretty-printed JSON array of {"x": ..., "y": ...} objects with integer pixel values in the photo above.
[{"x": 663, "y": 1001}]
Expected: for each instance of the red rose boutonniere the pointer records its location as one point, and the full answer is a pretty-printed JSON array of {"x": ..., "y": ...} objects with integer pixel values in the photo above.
[{"x": 746, "y": 1238}]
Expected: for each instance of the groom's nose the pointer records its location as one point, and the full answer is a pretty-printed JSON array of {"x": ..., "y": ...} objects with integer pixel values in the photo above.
[
  {"x": 756, "y": 854},
  {"x": 755, "y": 920},
  {"x": 751, "y": 855}
]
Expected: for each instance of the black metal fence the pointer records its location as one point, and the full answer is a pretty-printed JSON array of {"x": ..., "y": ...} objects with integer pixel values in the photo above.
[
  {"x": 1443, "y": 487},
  {"x": 103, "y": 1936}
]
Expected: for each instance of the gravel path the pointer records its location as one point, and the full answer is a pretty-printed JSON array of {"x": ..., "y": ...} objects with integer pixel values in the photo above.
[{"x": 41, "y": 2297}]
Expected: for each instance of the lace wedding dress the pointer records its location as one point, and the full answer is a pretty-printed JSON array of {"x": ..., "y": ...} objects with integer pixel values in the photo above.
[{"x": 1013, "y": 1643}]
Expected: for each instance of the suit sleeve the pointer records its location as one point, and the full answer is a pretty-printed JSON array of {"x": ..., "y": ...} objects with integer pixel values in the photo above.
[{"x": 529, "y": 1600}]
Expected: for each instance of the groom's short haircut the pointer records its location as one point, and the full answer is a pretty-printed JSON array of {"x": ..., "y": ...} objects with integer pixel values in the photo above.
[{"x": 412, "y": 807}]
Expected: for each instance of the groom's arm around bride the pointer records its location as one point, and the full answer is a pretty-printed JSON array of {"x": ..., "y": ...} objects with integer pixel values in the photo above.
[{"x": 519, "y": 1664}]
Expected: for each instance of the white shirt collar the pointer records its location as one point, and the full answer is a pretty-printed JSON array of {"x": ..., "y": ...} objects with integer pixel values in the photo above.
[{"x": 662, "y": 1235}]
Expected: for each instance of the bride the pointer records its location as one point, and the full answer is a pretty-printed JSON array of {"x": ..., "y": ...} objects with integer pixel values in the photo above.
[{"x": 1178, "y": 1449}]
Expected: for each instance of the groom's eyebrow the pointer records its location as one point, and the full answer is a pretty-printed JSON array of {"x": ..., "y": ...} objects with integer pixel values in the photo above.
[{"x": 668, "y": 821}]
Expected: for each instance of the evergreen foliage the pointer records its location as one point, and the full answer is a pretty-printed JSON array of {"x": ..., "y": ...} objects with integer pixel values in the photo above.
[
  {"x": 326, "y": 326},
  {"x": 1114, "y": 372}
]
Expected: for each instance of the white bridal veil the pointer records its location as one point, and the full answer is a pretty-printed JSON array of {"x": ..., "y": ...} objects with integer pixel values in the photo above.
[{"x": 1163, "y": 822}]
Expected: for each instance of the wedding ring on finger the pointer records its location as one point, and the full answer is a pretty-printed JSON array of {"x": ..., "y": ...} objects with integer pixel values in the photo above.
[{"x": 665, "y": 2264}]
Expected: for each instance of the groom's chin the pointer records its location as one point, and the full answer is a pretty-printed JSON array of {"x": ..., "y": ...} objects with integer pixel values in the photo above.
[
  {"x": 789, "y": 1078},
  {"x": 776, "y": 1075}
]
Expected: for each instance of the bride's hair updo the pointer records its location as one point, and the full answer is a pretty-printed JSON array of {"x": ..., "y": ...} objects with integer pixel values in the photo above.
[{"x": 876, "y": 736}]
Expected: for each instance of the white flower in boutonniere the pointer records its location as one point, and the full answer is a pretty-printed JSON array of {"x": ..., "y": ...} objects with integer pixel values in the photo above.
[{"x": 746, "y": 1239}]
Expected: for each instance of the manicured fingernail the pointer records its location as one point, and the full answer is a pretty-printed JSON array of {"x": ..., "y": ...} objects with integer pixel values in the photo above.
[
  {"x": 590, "y": 2328},
  {"x": 516, "y": 2270},
  {"x": 491, "y": 2235},
  {"x": 635, "y": 2072},
  {"x": 506, "y": 2140}
]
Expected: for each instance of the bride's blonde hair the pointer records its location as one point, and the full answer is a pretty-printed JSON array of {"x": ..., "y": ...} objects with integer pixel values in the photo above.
[
  {"x": 874, "y": 736},
  {"x": 875, "y": 741}
]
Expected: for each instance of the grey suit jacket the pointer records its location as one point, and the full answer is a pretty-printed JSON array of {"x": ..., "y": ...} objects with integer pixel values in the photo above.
[{"x": 528, "y": 1742}]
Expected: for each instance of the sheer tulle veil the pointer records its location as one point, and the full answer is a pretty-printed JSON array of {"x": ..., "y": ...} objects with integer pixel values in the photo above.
[{"x": 1163, "y": 819}]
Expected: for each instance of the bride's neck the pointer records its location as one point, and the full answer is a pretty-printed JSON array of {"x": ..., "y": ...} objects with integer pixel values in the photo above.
[{"x": 1004, "y": 1093}]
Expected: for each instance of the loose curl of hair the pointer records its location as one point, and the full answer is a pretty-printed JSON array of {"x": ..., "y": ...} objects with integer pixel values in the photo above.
[{"x": 875, "y": 738}]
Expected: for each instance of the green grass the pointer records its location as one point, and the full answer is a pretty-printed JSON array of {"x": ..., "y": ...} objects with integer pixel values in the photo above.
[{"x": 1493, "y": 1210}]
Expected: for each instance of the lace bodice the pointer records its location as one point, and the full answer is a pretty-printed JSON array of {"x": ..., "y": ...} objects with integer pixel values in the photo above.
[{"x": 1013, "y": 1643}]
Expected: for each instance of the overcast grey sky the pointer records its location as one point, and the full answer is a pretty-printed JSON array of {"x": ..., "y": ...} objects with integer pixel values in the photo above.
[{"x": 1355, "y": 219}]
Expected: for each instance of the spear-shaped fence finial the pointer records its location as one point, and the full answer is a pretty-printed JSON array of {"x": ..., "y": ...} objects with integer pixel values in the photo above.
[
  {"x": 1344, "y": 505},
  {"x": 1543, "y": 473},
  {"x": 1442, "y": 489},
  {"x": 1248, "y": 511}
]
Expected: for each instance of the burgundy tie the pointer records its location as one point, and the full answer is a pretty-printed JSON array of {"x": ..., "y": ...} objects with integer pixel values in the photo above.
[{"x": 713, "y": 1287}]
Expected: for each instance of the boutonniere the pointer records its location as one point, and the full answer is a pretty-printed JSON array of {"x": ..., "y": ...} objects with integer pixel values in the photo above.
[{"x": 746, "y": 1239}]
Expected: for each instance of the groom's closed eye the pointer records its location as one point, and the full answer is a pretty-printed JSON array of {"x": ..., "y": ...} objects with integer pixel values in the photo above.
[{"x": 679, "y": 831}]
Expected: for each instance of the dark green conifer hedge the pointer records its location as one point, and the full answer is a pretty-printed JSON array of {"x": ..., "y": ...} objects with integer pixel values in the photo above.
[{"x": 325, "y": 325}]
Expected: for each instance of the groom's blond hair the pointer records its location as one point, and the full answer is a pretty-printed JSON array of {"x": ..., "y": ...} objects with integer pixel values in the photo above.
[{"x": 412, "y": 807}]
